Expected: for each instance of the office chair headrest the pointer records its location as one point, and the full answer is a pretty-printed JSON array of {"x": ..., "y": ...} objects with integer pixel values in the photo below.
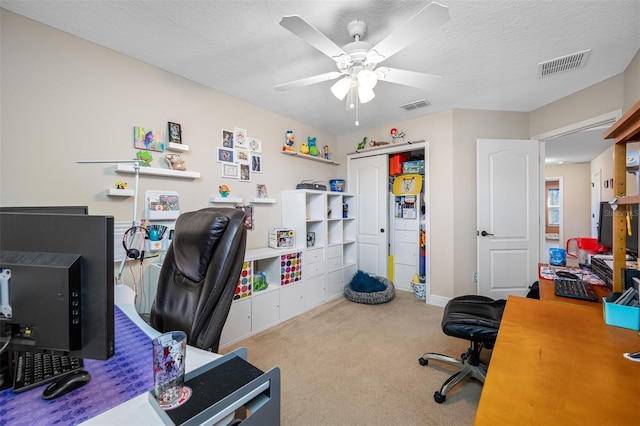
[{"x": 196, "y": 236}]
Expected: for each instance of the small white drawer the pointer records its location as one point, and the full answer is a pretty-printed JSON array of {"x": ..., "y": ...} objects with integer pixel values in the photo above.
[
  {"x": 334, "y": 251},
  {"x": 334, "y": 263},
  {"x": 406, "y": 236},
  {"x": 314, "y": 255},
  {"x": 310, "y": 270},
  {"x": 406, "y": 224}
]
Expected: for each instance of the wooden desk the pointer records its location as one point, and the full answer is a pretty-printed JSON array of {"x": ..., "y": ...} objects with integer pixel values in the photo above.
[{"x": 560, "y": 364}]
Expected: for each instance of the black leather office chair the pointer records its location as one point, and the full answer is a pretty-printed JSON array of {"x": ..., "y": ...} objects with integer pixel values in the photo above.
[
  {"x": 199, "y": 275},
  {"x": 473, "y": 318}
]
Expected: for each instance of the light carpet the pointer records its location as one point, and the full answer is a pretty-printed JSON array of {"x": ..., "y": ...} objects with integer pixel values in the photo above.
[{"x": 349, "y": 363}]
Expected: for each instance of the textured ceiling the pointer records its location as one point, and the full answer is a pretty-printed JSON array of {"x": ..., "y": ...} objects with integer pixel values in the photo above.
[{"x": 487, "y": 53}]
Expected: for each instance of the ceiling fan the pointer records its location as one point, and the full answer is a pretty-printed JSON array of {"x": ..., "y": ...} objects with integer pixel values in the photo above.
[{"x": 357, "y": 61}]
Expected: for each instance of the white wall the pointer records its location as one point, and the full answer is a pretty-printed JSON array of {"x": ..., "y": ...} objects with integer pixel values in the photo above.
[{"x": 66, "y": 99}]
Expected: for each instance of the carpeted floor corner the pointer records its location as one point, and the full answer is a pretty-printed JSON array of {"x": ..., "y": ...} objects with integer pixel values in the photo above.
[{"x": 349, "y": 363}]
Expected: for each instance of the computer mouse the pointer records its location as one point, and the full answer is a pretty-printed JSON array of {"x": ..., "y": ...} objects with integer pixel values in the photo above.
[
  {"x": 66, "y": 384},
  {"x": 565, "y": 274}
]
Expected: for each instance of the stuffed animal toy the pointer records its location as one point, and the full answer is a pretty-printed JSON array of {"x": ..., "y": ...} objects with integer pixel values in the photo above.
[
  {"x": 289, "y": 141},
  {"x": 224, "y": 191},
  {"x": 175, "y": 162},
  {"x": 362, "y": 144},
  {"x": 304, "y": 148},
  {"x": 313, "y": 149}
]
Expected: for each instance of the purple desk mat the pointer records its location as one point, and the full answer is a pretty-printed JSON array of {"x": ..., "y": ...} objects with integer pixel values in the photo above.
[{"x": 124, "y": 376}]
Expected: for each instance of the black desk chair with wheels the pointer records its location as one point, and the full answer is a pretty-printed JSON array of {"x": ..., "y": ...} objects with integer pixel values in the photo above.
[
  {"x": 199, "y": 275},
  {"x": 473, "y": 318}
]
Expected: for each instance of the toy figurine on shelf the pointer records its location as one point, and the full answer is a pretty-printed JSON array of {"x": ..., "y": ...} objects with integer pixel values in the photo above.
[
  {"x": 175, "y": 162},
  {"x": 362, "y": 144},
  {"x": 289, "y": 141},
  {"x": 304, "y": 148},
  {"x": 224, "y": 191},
  {"x": 313, "y": 149},
  {"x": 325, "y": 152},
  {"x": 144, "y": 157},
  {"x": 121, "y": 185},
  {"x": 396, "y": 136}
]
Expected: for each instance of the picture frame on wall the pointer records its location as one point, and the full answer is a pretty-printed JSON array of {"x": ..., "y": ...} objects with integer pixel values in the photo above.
[
  {"x": 175, "y": 132},
  {"x": 255, "y": 145},
  {"x": 261, "y": 191},
  {"x": 243, "y": 156},
  {"x": 226, "y": 155},
  {"x": 256, "y": 163},
  {"x": 230, "y": 171},
  {"x": 227, "y": 138},
  {"x": 239, "y": 137},
  {"x": 245, "y": 173}
]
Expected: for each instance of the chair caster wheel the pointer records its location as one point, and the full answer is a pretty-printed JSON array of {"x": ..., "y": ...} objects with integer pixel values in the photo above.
[
  {"x": 423, "y": 361},
  {"x": 439, "y": 398}
]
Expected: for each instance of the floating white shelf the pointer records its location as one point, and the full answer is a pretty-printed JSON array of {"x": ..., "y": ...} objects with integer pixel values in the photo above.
[
  {"x": 126, "y": 168},
  {"x": 114, "y": 192},
  {"x": 177, "y": 147},
  {"x": 310, "y": 157},
  {"x": 262, "y": 200},
  {"x": 225, "y": 200}
]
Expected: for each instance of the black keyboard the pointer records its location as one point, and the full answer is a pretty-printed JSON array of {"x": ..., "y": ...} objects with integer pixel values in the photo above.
[
  {"x": 575, "y": 289},
  {"x": 34, "y": 369}
]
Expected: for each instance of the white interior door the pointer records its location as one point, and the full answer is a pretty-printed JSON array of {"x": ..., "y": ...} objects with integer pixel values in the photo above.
[
  {"x": 368, "y": 179},
  {"x": 508, "y": 178}
]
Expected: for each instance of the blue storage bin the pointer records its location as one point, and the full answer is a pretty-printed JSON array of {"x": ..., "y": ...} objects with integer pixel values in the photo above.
[{"x": 621, "y": 315}]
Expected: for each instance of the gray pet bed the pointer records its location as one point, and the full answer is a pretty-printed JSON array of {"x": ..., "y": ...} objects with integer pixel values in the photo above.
[{"x": 372, "y": 298}]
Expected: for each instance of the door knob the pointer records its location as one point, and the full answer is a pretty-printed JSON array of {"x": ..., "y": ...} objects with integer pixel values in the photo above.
[{"x": 485, "y": 233}]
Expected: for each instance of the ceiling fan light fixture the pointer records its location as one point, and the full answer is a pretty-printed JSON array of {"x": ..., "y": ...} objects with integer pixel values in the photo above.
[
  {"x": 341, "y": 87},
  {"x": 365, "y": 94},
  {"x": 367, "y": 79}
]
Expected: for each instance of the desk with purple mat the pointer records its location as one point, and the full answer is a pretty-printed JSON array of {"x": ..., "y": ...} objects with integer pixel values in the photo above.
[{"x": 117, "y": 392}]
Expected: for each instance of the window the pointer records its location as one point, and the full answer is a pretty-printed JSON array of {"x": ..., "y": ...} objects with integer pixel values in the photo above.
[{"x": 553, "y": 206}]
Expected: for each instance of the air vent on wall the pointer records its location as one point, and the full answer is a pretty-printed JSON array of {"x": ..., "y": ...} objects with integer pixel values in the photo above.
[
  {"x": 563, "y": 63},
  {"x": 417, "y": 104}
]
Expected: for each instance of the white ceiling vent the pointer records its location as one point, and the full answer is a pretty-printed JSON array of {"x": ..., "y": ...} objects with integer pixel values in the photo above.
[
  {"x": 563, "y": 63},
  {"x": 415, "y": 105}
]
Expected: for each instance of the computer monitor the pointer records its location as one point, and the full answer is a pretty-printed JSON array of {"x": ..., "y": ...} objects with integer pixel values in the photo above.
[
  {"x": 605, "y": 227},
  {"x": 88, "y": 237},
  {"x": 47, "y": 209}
]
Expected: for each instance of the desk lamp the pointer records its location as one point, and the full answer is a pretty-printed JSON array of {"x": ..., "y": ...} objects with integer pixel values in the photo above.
[{"x": 136, "y": 170}]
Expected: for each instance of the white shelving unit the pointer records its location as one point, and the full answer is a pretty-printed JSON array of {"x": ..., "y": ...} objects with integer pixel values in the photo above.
[
  {"x": 114, "y": 192},
  {"x": 225, "y": 200},
  {"x": 330, "y": 216},
  {"x": 310, "y": 157},
  {"x": 177, "y": 147},
  {"x": 127, "y": 168},
  {"x": 262, "y": 200}
]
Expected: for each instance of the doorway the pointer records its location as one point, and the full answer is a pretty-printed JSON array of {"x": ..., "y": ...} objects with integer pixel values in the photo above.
[{"x": 553, "y": 213}]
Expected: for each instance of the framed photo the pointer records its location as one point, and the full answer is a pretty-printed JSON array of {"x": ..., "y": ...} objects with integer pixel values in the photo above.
[
  {"x": 242, "y": 156},
  {"x": 227, "y": 138},
  {"x": 255, "y": 145},
  {"x": 149, "y": 139},
  {"x": 248, "y": 215},
  {"x": 311, "y": 239},
  {"x": 245, "y": 172},
  {"x": 226, "y": 155},
  {"x": 175, "y": 133},
  {"x": 256, "y": 163},
  {"x": 230, "y": 171},
  {"x": 261, "y": 191},
  {"x": 239, "y": 137}
]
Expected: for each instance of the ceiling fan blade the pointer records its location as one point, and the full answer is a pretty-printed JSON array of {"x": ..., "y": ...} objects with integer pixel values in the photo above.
[
  {"x": 428, "y": 19},
  {"x": 311, "y": 35},
  {"x": 308, "y": 81},
  {"x": 409, "y": 78}
]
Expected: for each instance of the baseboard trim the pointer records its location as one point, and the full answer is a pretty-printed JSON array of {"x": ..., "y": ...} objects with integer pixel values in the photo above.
[{"x": 438, "y": 300}]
